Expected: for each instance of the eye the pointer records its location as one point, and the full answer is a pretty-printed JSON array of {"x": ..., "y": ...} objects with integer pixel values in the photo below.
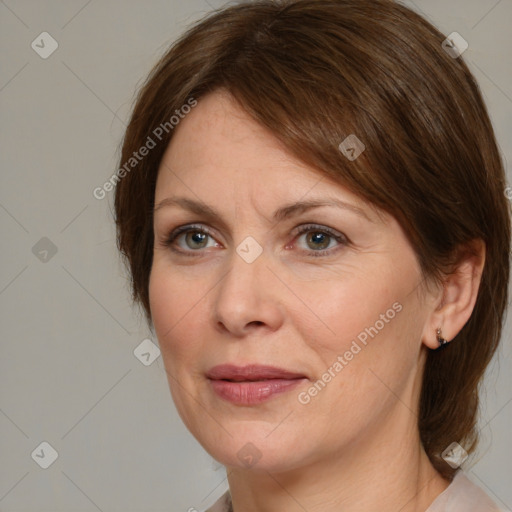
[
  {"x": 190, "y": 239},
  {"x": 320, "y": 240},
  {"x": 317, "y": 240}
]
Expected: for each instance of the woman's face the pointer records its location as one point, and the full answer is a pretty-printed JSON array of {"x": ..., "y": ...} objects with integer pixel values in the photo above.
[{"x": 285, "y": 268}]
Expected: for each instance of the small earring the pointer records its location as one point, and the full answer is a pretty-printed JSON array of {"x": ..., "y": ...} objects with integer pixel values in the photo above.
[{"x": 440, "y": 339}]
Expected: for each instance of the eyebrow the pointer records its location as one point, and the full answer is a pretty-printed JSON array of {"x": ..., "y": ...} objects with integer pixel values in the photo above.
[{"x": 280, "y": 214}]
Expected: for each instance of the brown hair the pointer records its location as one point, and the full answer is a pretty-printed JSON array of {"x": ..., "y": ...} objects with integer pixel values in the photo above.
[{"x": 313, "y": 72}]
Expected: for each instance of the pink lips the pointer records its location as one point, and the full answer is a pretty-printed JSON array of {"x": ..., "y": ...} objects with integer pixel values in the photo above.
[{"x": 252, "y": 384}]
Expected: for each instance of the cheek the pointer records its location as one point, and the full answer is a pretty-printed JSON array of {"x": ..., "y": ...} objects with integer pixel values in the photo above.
[
  {"x": 373, "y": 354},
  {"x": 178, "y": 313},
  {"x": 161, "y": 300},
  {"x": 174, "y": 308},
  {"x": 339, "y": 311},
  {"x": 362, "y": 324}
]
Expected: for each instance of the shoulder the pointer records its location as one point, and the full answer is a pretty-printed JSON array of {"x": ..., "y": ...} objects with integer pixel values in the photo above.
[{"x": 463, "y": 495}]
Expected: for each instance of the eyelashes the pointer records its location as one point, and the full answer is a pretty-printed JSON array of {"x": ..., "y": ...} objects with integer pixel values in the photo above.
[{"x": 199, "y": 236}]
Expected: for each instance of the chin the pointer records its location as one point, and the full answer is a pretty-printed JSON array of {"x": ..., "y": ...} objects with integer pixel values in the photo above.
[{"x": 258, "y": 452}]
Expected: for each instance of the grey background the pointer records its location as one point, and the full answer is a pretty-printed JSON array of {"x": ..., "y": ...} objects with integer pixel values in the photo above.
[{"x": 69, "y": 375}]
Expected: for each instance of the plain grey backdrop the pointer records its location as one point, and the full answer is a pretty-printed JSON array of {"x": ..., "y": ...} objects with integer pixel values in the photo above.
[{"x": 69, "y": 374}]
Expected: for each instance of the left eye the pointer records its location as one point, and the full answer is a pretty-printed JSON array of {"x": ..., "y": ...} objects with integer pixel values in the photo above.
[{"x": 319, "y": 240}]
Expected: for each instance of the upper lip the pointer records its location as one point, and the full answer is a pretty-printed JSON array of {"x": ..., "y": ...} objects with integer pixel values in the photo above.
[{"x": 250, "y": 372}]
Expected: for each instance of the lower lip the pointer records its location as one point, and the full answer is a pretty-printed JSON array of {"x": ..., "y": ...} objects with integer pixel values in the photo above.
[{"x": 250, "y": 393}]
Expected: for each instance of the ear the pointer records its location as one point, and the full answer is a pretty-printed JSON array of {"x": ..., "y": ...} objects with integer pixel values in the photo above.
[{"x": 457, "y": 296}]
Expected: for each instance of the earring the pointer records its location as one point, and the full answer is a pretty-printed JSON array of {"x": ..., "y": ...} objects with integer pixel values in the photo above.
[{"x": 440, "y": 339}]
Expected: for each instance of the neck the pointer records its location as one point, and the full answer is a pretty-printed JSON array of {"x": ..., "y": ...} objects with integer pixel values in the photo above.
[{"x": 388, "y": 470}]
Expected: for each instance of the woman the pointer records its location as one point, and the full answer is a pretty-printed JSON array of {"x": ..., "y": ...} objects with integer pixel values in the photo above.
[{"x": 316, "y": 227}]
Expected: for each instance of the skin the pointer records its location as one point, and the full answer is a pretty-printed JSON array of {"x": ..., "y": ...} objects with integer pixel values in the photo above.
[{"x": 355, "y": 446}]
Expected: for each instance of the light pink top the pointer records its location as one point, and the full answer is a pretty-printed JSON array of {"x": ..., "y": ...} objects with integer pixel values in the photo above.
[{"x": 462, "y": 495}]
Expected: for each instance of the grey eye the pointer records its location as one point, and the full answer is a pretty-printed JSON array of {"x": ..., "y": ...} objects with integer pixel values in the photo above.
[
  {"x": 317, "y": 240},
  {"x": 196, "y": 239}
]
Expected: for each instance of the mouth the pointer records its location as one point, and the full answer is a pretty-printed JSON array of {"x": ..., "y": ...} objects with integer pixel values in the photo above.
[
  {"x": 252, "y": 384},
  {"x": 251, "y": 373},
  {"x": 239, "y": 379}
]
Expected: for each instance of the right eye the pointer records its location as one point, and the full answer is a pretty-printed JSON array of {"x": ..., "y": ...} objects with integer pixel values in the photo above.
[{"x": 188, "y": 239}]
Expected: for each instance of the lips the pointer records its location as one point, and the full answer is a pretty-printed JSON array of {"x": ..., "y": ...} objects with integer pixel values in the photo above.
[
  {"x": 251, "y": 373},
  {"x": 252, "y": 385}
]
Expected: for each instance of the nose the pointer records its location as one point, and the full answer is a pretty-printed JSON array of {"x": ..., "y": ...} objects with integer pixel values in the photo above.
[{"x": 247, "y": 298}]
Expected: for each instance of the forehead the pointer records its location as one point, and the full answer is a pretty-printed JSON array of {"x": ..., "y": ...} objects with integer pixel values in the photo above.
[
  {"x": 219, "y": 141},
  {"x": 218, "y": 153},
  {"x": 219, "y": 134}
]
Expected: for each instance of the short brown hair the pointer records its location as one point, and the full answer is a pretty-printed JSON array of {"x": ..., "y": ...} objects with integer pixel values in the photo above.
[{"x": 313, "y": 72}]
